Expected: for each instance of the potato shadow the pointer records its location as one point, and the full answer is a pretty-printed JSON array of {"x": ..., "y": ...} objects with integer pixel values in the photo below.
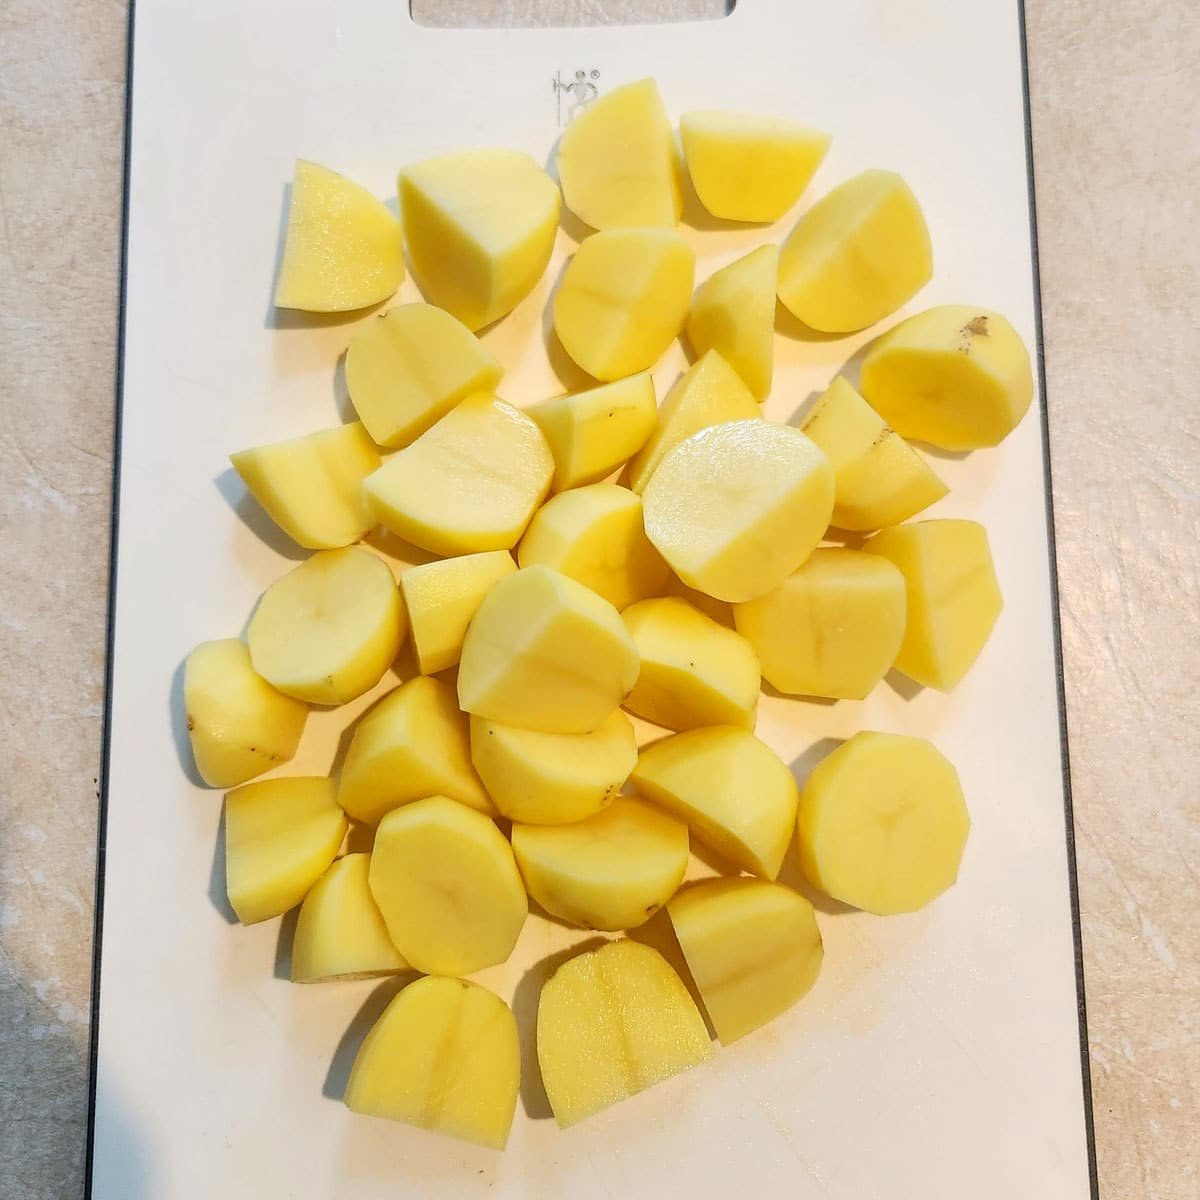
[
  {"x": 336, "y": 1078},
  {"x": 218, "y": 882},
  {"x": 179, "y": 728},
  {"x": 712, "y": 859},
  {"x": 772, "y": 691},
  {"x": 284, "y": 943},
  {"x": 804, "y": 409},
  {"x": 252, "y": 514},
  {"x": 341, "y": 391},
  {"x": 940, "y": 451},
  {"x": 792, "y": 875},
  {"x": 848, "y": 539},
  {"x": 907, "y": 689},
  {"x": 575, "y": 228},
  {"x": 393, "y": 546},
  {"x": 567, "y": 371},
  {"x": 801, "y": 766},
  {"x": 360, "y": 838},
  {"x": 790, "y": 326},
  {"x": 659, "y": 934}
]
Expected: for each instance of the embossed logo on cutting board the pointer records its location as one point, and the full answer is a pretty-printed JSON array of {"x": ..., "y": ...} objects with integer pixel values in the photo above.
[{"x": 572, "y": 95}]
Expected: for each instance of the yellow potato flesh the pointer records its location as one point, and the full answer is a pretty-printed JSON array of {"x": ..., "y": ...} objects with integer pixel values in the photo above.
[
  {"x": 614, "y": 870},
  {"x": 879, "y": 479},
  {"x": 694, "y": 671},
  {"x": 552, "y": 778},
  {"x": 953, "y": 376},
  {"x": 546, "y": 653},
  {"x": 446, "y": 883},
  {"x": 734, "y": 792},
  {"x": 709, "y": 393},
  {"x": 595, "y": 535},
  {"x": 409, "y": 367},
  {"x": 328, "y": 630},
  {"x": 340, "y": 933},
  {"x": 833, "y": 628},
  {"x": 882, "y": 823},
  {"x": 593, "y": 433},
  {"x": 749, "y": 168},
  {"x": 618, "y": 163},
  {"x": 857, "y": 255},
  {"x": 441, "y": 598},
  {"x": 238, "y": 724},
  {"x": 752, "y": 947},
  {"x": 444, "y": 1056},
  {"x": 414, "y": 743},
  {"x": 611, "y": 1023},
  {"x": 623, "y": 299},
  {"x": 736, "y": 508},
  {"x": 953, "y": 599},
  {"x": 280, "y": 835},
  {"x": 343, "y": 249},
  {"x": 480, "y": 228},
  {"x": 468, "y": 483},
  {"x": 734, "y": 314}
]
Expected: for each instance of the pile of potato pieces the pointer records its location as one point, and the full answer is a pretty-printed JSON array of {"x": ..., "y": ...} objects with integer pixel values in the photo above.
[{"x": 670, "y": 594}]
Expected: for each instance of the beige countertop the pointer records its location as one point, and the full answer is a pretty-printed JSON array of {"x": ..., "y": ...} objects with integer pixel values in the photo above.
[{"x": 1117, "y": 149}]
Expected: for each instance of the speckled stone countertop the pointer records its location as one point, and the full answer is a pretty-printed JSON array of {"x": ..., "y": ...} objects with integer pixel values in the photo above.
[{"x": 1117, "y": 149}]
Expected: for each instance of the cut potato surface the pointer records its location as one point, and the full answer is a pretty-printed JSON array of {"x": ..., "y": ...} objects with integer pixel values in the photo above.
[
  {"x": 882, "y": 823},
  {"x": 343, "y": 249},
  {"x": 736, "y": 508},
  {"x": 444, "y": 1056},
  {"x": 340, "y": 932},
  {"x": 238, "y": 724},
  {"x": 618, "y": 163},
  {"x": 480, "y": 228},
  {"x": 954, "y": 376},
  {"x": 328, "y": 629},
  {"x": 857, "y": 255},
  {"x": 553, "y": 778},
  {"x": 694, "y": 671},
  {"x": 611, "y": 1023},
  {"x": 546, "y": 653},
  {"x": 446, "y": 883},
  {"x": 410, "y": 366},
  {"x": 595, "y": 536},
  {"x": 749, "y": 168},
  {"x": 833, "y": 628},
  {"x": 614, "y": 870},
  {"x": 623, "y": 299},
  {"x": 414, "y": 743},
  {"x": 468, "y": 483},
  {"x": 752, "y": 947},
  {"x": 734, "y": 792},
  {"x": 953, "y": 599},
  {"x": 280, "y": 835}
]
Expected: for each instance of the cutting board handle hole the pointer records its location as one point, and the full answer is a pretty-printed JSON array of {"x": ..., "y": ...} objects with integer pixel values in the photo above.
[{"x": 529, "y": 14}]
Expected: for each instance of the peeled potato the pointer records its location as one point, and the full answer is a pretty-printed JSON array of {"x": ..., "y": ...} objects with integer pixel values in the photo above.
[
  {"x": 595, "y": 535},
  {"x": 328, "y": 630},
  {"x": 733, "y": 791},
  {"x": 238, "y": 724},
  {"x": 611, "y": 1023},
  {"x": 444, "y": 1056},
  {"x": 736, "y": 508},
  {"x": 343, "y": 248},
  {"x": 752, "y": 947},
  {"x": 480, "y": 227},
  {"x": 409, "y": 367},
  {"x": 857, "y": 255},
  {"x": 614, "y": 870},
  {"x": 953, "y": 376},
  {"x": 749, "y": 168},
  {"x": 953, "y": 599},
  {"x": 468, "y": 483},
  {"x": 280, "y": 835},
  {"x": 446, "y": 883},
  {"x": 623, "y": 299},
  {"x": 882, "y": 823}
]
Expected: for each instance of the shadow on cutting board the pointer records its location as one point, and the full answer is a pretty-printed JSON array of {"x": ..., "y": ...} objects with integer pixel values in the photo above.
[{"x": 334, "y": 1087}]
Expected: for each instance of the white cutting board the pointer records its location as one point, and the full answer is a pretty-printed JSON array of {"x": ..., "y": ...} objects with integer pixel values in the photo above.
[{"x": 938, "y": 1056}]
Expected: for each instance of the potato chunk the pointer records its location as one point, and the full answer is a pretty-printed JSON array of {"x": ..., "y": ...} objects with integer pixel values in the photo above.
[
  {"x": 738, "y": 507},
  {"x": 752, "y": 947},
  {"x": 857, "y": 255},
  {"x": 444, "y": 1056},
  {"x": 953, "y": 599},
  {"x": 882, "y": 823},
  {"x": 623, "y": 299},
  {"x": 954, "y": 376},
  {"x": 328, "y": 629},
  {"x": 280, "y": 835},
  {"x": 611, "y": 1023},
  {"x": 238, "y": 724},
  {"x": 614, "y": 870},
  {"x": 446, "y": 883}
]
